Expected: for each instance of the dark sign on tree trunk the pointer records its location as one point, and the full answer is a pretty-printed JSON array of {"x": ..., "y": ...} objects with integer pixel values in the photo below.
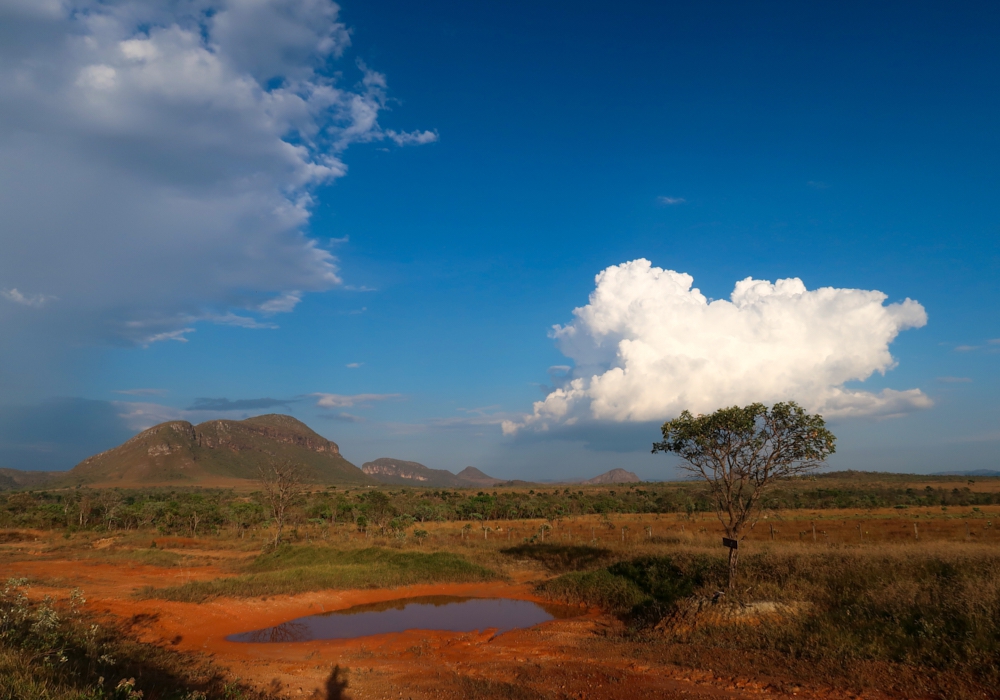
[{"x": 732, "y": 544}]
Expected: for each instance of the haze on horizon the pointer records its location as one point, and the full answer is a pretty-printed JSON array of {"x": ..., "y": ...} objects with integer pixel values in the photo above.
[{"x": 512, "y": 236}]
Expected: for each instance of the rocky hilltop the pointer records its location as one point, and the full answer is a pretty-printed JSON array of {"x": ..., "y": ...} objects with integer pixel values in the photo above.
[
  {"x": 474, "y": 477},
  {"x": 184, "y": 454},
  {"x": 615, "y": 476},
  {"x": 398, "y": 471}
]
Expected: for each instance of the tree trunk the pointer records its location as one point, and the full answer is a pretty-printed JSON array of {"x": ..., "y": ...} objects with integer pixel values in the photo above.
[
  {"x": 733, "y": 557},
  {"x": 279, "y": 517}
]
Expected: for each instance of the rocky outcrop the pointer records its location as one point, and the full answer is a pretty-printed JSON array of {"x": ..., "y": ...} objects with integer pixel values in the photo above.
[{"x": 234, "y": 435}]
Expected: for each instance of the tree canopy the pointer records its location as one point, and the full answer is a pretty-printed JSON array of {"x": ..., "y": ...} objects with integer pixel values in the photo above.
[{"x": 740, "y": 451}]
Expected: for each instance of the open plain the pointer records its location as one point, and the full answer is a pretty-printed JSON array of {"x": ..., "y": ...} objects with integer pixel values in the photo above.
[{"x": 919, "y": 581}]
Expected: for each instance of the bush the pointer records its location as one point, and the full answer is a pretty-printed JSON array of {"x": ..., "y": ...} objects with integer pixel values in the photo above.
[
  {"x": 646, "y": 586},
  {"x": 50, "y": 653}
]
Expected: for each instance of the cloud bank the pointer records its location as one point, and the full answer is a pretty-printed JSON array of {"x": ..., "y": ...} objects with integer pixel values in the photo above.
[
  {"x": 157, "y": 160},
  {"x": 649, "y": 345}
]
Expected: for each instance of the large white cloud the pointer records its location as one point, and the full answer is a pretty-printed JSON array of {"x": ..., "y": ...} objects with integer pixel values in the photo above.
[
  {"x": 157, "y": 159},
  {"x": 648, "y": 346}
]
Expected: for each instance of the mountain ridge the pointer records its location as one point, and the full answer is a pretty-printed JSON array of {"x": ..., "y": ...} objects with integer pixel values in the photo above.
[{"x": 390, "y": 470}]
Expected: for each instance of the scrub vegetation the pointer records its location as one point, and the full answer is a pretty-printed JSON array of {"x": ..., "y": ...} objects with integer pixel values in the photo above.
[
  {"x": 56, "y": 651},
  {"x": 205, "y": 511},
  {"x": 898, "y": 592},
  {"x": 932, "y": 616}
]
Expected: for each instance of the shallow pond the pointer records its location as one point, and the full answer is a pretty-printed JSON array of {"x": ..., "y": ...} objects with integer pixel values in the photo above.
[{"x": 449, "y": 613}]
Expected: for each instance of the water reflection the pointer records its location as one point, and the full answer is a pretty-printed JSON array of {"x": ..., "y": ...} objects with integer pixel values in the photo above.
[{"x": 449, "y": 613}]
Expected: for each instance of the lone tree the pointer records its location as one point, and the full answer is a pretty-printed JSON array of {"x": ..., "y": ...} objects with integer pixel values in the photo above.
[
  {"x": 740, "y": 452},
  {"x": 282, "y": 483}
]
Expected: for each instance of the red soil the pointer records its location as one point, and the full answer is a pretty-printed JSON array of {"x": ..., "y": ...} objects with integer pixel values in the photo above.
[{"x": 559, "y": 659}]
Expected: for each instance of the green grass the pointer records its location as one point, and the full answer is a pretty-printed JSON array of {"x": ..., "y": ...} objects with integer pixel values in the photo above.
[
  {"x": 291, "y": 570},
  {"x": 146, "y": 557}
]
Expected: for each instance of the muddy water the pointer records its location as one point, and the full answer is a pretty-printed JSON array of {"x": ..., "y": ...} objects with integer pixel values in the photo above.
[{"x": 449, "y": 613}]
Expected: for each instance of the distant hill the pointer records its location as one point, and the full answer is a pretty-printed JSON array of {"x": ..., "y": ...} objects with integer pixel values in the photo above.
[
  {"x": 615, "y": 476},
  {"x": 474, "y": 477},
  {"x": 11, "y": 479},
  {"x": 399, "y": 471},
  {"x": 389, "y": 470},
  {"x": 215, "y": 452},
  {"x": 971, "y": 472}
]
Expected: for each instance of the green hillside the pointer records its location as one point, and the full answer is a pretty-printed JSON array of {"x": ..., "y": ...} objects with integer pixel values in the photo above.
[{"x": 184, "y": 454}]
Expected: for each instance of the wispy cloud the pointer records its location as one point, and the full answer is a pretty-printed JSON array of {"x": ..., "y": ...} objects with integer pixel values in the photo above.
[
  {"x": 142, "y": 392},
  {"x": 412, "y": 138},
  {"x": 670, "y": 201},
  {"x": 344, "y": 417},
  {"x": 207, "y": 404},
  {"x": 282, "y": 304},
  {"x": 348, "y": 400},
  {"x": 361, "y": 288},
  {"x": 485, "y": 415},
  {"x": 35, "y": 301},
  {"x": 954, "y": 380},
  {"x": 231, "y": 319},
  {"x": 966, "y": 348},
  {"x": 353, "y": 365},
  {"x": 177, "y": 335}
]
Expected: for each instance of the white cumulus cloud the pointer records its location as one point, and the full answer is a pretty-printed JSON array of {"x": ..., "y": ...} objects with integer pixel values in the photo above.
[{"x": 649, "y": 345}]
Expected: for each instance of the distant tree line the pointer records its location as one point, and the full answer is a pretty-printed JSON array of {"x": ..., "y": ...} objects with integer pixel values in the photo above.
[{"x": 203, "y": 511}]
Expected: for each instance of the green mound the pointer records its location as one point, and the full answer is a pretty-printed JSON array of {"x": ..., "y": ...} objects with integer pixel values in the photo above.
[{"x": 291, "y": 570}]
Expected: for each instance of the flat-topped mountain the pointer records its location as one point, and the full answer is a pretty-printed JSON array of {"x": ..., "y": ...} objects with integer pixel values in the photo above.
[
  {"x": 399, "y": 471},
  {"x": 615, "y": 476},
  {"x": 184, "y": 454}
]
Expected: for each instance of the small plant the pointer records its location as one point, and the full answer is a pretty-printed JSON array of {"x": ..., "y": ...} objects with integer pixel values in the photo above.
[{"x": 56, "y": 651}]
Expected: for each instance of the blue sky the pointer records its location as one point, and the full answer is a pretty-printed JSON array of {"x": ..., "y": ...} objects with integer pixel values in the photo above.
[{"x": 519, "y": 150}]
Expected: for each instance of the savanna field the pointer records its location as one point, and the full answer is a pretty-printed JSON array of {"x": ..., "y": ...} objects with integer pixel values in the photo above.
[{"x": 851, "y": 585}]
